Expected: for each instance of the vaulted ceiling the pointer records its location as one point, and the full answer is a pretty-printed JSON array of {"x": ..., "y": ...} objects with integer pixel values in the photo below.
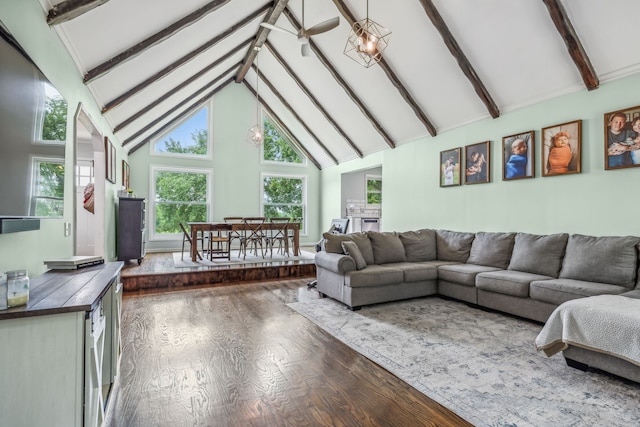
[{"x": 148, "y": 63}]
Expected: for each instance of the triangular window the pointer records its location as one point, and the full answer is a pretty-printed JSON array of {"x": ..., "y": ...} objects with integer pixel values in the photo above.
[
  {"x": 189, "y": 138},
  {"x": 278, "y": 146}
]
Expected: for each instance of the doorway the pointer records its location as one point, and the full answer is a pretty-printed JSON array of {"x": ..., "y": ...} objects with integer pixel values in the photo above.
[{"x": 89, "y": 171}]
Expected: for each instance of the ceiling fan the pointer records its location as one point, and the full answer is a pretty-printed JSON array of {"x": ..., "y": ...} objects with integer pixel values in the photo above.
[{"x": 304, "y": 33}]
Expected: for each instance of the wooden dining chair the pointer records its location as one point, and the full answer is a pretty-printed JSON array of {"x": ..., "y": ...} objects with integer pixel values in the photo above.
[
  {"x": 234, "y": 234},
  {"x": 278, "y": 234},
  {"x": 253, "y": 236},
  {"x": 219, "y": 245},
  {"x": 186, "y": 237}
]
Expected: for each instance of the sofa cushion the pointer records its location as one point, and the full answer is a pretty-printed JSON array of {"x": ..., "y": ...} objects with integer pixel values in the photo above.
[
  {"x": 538, "y": 254},
  {"x": 415, "y": 271},
  {"x": 333, "y": 242},
  {"x": 557, "y": 291},
  {"x": 507, "y": 282},
  {"x": 364, "y": 244},
  {"x": 491, "y": 249},
  {"x": 419, "y": 245},
  {"x": 374, "y": 275},
  {"x": 351, "y": 249},
  {"x": 638, "y": 275},
  {"x": 387, "y": 247},
  {"x": 453, "y": 245},
  {"x": 463, "y": 274},
  {"x": 601, "y": 259}
]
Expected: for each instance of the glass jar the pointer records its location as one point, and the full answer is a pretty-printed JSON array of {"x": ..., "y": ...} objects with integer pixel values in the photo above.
[{"x": 17, "y": 288}]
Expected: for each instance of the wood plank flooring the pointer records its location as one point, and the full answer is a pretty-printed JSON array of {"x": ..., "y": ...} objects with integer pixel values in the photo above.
[{"x": 238, "y": 356}]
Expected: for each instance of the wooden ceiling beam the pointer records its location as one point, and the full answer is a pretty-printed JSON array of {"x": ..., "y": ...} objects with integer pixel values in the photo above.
[
  {"x": 312, "y": 98},
  {"x": 391, "y": 75},
  {"x": 181, "y": 86},
  {"x": 179, "y": 105},
  {"x": 69, "y": 9},
  {"x": 572, "y": 41},
  {"x": 341, "y": 81},
  {"x": 300, "y": 146},
  {"x": 182, "y": 115},
  {"x": 149, "y": 42},
  {"x": 293, "y": 112},
  {"x": 261, "y": 36},
  {"x": 460, "y": 57},
  {"x": 186, "y": 58}
]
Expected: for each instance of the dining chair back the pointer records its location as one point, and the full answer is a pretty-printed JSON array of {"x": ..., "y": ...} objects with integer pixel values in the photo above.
[
  {"x": 234, "y": 234},
  {"x": 278, "y": 234}
]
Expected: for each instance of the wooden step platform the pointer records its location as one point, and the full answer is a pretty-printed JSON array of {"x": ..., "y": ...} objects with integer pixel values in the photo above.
[{"x": 158, "y": 272}]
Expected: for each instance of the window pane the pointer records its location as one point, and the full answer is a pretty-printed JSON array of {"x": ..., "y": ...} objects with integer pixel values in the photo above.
[
  {"x": 191, "y": 137},
  {"x": 277, "y": 147},
  {"x": 49, "y": 188},
  {"x": 282, "y": 190},
  {"x": 181, "y": 187},
  {"x": 54, "y": 126},
  {"x": 170, "y": 215}
]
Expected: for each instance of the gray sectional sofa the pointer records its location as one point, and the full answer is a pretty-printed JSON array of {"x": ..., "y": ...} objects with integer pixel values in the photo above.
[{"x": 522, "y": 274}]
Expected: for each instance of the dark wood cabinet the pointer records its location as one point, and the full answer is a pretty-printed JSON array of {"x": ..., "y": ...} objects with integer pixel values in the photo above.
[{"x": 131, "y": 224}]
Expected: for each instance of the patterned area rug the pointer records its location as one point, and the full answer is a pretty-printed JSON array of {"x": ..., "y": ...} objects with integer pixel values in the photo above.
[
  {"x": 483, "y": 366},
  {"x": 184, "y": 260}
]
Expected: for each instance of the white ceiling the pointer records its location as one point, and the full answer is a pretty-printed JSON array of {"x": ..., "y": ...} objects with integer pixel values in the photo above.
[{"x": 513, "y": 46}]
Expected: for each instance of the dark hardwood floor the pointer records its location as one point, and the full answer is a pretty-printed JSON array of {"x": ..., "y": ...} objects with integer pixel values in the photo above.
[{"x": 236, "y": 355}]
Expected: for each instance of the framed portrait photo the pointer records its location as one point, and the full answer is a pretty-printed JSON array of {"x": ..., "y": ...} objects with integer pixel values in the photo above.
[
  {"x": 518, "y": 156},
  {"x": 622, "y": 138},
  {"x": 450, "y": 167},
  {"x": 110, "y": 157},
  {"x": 561, "y": 153},
  {"x": 476, "y": 163}
]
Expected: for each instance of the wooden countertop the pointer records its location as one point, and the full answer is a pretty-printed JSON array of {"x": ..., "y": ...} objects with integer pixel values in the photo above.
[{"x": 63, "y": 291}]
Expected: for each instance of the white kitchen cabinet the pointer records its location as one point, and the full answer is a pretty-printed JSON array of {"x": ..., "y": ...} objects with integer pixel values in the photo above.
[{"x": 59, "y": 355}]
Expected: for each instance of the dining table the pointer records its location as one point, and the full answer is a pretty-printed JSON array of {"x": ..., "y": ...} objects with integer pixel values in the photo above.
[{"x": 198, "y": 227}]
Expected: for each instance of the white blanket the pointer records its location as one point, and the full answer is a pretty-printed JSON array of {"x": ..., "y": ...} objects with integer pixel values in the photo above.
[{"x": 606, "y": 323}]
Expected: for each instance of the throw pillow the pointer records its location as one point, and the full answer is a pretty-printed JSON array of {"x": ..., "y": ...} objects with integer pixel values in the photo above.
[
  {"x": 453, "y": 245},
  {"x": 419, "y": 245},
  {"x": 387, "y": 247},
  {"x": 351, "y": 249},
  {"x": 333, "y": 242},
  {"x": 538, "y": 254},
  {"x": 601, "y": 259},
  {"x": 364, "y": 244},
  {"x": 491, "y": 249}
]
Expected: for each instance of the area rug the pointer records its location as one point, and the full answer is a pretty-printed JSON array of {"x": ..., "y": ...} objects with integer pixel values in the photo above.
[
  {"x": 184, "y": 260},
  {"x": 481, "y": 365}
]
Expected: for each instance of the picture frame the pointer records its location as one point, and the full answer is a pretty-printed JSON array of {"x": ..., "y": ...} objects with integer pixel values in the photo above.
[
  {"x": 561, "y": 149},
  {"x": 622, "y": 138},
  {"x": 126, "y": 173},
  {"x": 477, "y": 165},
  {"x": 110, "y": 158},
  {"x": 450, "y": 167},
  {"x": 518, "y": 156}
]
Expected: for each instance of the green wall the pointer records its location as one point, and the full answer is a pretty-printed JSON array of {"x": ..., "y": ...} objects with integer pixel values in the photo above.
[
  {"x": 25, "y": 19},
  {"x": 236, "y": 167},
  {"x": 595, "y": 202}
]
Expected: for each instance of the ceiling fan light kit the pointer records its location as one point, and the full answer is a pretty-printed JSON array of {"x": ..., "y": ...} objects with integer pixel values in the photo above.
[{"x": 367, "y": 40}]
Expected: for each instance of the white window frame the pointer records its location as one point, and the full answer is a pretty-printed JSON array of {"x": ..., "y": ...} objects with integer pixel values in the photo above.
[
  {"x": 35, "y": 172},
  {"x": 208, "y": 156},
  {"x": 152, "y": 197},
  {"x": 367, "y": 178},
  {"x": 305, "y": 206}
]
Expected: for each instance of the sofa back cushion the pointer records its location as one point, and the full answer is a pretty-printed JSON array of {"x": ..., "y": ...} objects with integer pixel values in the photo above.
[
  {"x": 601, "y": 259},
  {"x": 537, "y": 254},
  {"x": 453, "y": 245},
  {"x": 333, "y": 242},
  {"x": 419, "y": 245},
  {"x": 491, "y": 249},
  {"x": 387, "y": 247},
  {"x": 638, "y": 275},
  {"x": 364, "y": 244}
]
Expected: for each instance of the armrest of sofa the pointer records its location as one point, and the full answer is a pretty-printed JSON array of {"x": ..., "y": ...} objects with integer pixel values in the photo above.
[{"x": 338, "y": 263}]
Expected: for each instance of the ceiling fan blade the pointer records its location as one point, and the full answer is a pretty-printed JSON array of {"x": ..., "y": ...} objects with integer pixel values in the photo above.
[
  {"x": 274, "y": 28},
  {"x": 305, "y": 49},
  {"x": 323, "y": 27}
]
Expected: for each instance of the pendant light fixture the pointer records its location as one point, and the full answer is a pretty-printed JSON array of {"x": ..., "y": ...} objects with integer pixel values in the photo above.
[
  {"x": 367, "y": 40},
  {"x": 256, "y": 136}
]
